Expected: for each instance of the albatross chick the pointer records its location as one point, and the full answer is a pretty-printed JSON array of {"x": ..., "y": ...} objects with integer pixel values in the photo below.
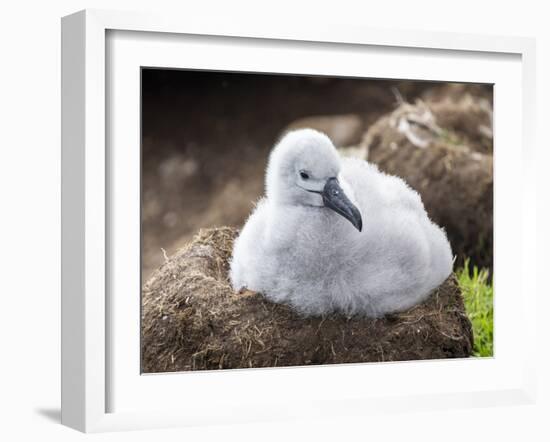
[{"x": 335, "y": 234}]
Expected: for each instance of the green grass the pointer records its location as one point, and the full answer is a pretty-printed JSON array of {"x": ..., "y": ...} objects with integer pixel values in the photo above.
[{"x": 478, "y": 300}]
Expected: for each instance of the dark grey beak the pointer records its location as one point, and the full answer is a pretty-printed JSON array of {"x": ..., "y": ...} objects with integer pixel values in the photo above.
[{"x": 334, "y": 198}]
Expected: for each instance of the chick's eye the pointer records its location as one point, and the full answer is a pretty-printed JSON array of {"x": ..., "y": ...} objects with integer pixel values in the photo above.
[{"x": 304, "y": 175}]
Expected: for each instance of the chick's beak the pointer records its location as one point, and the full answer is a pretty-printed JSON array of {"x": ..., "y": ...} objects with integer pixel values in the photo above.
[{"x": 335, "y": 199}]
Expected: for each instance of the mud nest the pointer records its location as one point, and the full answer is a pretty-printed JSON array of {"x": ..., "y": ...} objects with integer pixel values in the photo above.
[
  {"x": 444, "y": 150},
  {"x": 193, "y": 320}
]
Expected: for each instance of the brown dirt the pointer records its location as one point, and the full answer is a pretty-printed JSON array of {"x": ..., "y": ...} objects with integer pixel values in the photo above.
[{"x": 192, "y": 320}]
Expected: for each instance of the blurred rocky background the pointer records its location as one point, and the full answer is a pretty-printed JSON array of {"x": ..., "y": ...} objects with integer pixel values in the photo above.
[{"x": 206, "y": 137}]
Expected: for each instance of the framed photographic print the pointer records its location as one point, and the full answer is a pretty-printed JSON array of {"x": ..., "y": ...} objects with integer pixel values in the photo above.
[{"x": 265, "y": 222}]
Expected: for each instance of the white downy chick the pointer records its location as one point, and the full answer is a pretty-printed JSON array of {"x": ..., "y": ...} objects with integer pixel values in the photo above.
[{"x": 337, "y": 235}]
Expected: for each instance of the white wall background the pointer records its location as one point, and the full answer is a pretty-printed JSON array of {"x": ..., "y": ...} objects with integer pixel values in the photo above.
[{"x": 30, "y": 214}]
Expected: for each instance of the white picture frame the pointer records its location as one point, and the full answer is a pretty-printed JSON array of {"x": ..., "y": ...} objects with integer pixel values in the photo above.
[{"x": 88, "y": 232}]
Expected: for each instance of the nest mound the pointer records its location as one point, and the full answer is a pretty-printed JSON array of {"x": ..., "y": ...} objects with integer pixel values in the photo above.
[
  {"x": 193, "y": 320},
  {"x": 443, "y": 149}
]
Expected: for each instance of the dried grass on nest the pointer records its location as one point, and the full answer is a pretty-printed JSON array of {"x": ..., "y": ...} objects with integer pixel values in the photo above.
[{"x": 192, "y": 320}]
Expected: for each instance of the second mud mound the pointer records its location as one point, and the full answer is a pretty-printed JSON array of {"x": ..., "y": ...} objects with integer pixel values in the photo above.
[{"x": 444, "y": 152}]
